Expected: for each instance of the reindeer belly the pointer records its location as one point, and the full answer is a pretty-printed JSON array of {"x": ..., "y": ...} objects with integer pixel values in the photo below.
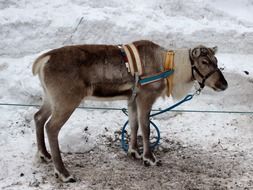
[{"x": 110, "y": 92}]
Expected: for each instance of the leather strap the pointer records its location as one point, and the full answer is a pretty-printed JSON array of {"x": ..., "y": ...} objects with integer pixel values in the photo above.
[
  {"x": 169, "y": 65},
  {"x": 137, "y": 59},
  {"x": 134, "y": 59}
]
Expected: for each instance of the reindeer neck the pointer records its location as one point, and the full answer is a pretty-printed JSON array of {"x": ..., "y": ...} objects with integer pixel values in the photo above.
[{"x": 182, "y": 79}]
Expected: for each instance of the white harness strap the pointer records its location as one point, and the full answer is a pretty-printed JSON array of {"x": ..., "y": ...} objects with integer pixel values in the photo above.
[
  {"x": 134, "y": 59},
  {"x": 130, "y": 60},
  {"x": 137, "y": 59}
]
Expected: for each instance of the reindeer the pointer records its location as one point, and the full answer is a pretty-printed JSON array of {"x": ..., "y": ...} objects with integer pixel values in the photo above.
[{"x": 71, "y": 74}]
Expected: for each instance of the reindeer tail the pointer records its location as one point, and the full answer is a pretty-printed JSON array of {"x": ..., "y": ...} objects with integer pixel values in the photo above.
[{"x": 39, "y": 62}]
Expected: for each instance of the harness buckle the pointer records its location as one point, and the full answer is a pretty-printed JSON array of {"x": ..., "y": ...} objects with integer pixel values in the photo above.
[
  {"x": 198, "y": 91},
  {"x": 135, "y": 87}
]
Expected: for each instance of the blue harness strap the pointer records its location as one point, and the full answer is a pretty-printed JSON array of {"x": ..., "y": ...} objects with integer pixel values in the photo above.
[{"x": 156, "y": 77}]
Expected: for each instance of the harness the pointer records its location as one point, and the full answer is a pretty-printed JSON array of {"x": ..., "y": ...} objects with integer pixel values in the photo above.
[
  {"x": 132, "y": 60},
  {"x": 203, "y": 52},
  {"x": 204, "y": 78},
  {"x": 167, "y": 75}
]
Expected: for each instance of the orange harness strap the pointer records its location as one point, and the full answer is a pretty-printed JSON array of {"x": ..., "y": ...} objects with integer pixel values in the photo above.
[{"x": 169, "y": 65}]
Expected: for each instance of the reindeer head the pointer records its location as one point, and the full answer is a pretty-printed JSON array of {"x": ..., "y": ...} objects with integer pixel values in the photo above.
[{"x": 205, "y": 69}]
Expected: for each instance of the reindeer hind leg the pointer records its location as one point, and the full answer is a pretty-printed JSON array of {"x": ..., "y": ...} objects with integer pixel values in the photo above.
[
  {"x": 63, "y": 107},
  {"x": 40, "y": 119}
]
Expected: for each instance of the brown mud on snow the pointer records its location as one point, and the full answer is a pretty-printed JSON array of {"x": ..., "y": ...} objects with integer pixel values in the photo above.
[{"x": 184, "y": 167}]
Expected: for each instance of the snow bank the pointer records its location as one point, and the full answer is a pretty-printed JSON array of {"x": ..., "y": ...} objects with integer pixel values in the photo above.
[{"x": 32, "y": 26}]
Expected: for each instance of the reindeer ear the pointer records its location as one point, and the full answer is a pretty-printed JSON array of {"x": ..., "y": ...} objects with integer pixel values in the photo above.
[
  {"x": 214, "y": 49},
  {"x": 196, "y": 52}
]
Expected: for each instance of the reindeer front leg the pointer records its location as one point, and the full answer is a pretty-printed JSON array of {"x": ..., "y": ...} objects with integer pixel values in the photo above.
[
  {"x": 133, "y": 149},
  {"x": 144, "y": 106}
]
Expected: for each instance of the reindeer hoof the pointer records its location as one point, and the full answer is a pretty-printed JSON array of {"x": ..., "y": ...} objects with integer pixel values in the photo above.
[
  {"x": 151, "y": 161},
  {"x": 159, "y": 163},
  {"x": 45, "y": 158},
  {"x": 69, "y": 179},
  {"x": 146, "y": 163},
  {"x": 134, "y": 154}
]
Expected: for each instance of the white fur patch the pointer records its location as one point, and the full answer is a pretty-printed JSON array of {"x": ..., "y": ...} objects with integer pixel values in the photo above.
[
  {"x": 182, "y": 80},
  {"x": 48, "y": 120},
  {"x": 39, "y": 62}
]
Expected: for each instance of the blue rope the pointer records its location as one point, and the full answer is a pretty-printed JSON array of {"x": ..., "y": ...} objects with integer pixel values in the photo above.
[
  {"x": 153, "y": 145},
  {"x": 124, "y": 132},
  {"x": 187, "y": 98},
  {"x": 120, "y": 109}
]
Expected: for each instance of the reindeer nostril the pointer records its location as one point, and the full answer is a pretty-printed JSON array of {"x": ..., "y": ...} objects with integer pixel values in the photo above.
[
  {"x": 222, "y": 85},
  {"x": 225, "y": 87},
  {"x": 225, "y": 84}
]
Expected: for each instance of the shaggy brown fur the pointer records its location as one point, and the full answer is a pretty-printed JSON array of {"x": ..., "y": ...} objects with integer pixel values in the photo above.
[{"x": 73, "y": 73}]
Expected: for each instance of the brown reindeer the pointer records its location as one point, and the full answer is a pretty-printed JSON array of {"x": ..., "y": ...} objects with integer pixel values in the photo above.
[{"x": 74, "y": 73}]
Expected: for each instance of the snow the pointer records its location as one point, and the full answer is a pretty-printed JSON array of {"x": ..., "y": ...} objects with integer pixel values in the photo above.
[
  {"x": 218, "y": 147},
  {"x": 235, "y": 9},
  {"x": 170, "y": 23}
]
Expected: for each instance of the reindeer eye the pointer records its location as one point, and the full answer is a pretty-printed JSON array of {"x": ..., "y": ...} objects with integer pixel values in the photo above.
[{"x": 205, "y": 62}]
